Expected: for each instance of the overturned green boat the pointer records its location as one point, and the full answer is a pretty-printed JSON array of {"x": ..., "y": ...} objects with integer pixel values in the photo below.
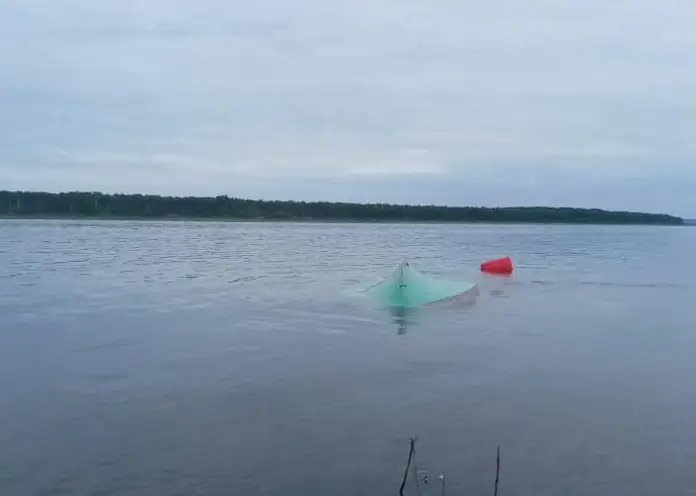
[{"x": 409, "y": 288}]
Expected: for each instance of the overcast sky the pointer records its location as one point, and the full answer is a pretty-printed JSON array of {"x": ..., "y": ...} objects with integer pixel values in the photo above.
[{"x": 447, "y": 101}]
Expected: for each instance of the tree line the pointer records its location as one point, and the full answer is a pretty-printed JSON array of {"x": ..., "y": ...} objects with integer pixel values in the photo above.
[{"x": 101, "y": 205}]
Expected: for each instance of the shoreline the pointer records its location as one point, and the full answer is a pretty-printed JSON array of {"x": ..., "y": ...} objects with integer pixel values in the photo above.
[
  {"x": 239, "y": 220},
  {"x": 137, "y": 207}
]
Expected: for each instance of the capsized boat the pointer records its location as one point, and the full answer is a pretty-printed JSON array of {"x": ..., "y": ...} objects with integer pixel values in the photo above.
[{"x": 408, "y": 288}]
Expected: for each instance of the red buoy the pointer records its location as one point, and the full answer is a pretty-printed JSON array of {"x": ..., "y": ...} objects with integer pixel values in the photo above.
[{"x": 498, "y": 266}]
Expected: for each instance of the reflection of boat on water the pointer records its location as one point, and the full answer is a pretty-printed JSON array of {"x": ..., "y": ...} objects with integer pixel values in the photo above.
[
  {"x": 409, "y": 288},
  {"x": 401, "y": 317}
]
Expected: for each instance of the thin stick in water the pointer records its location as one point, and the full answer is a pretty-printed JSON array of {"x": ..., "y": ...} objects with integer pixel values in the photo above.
[
  {"x": 497, "y": 472},
  {"x": 408, "y": 465},
  {"x": 415, "y": 472}
]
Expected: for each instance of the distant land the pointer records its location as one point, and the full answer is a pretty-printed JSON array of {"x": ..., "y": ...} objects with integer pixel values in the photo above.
[{"x": 136, "y": 206}]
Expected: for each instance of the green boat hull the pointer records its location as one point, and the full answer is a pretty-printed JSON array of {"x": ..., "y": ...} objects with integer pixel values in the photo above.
[{"x": 409, "y": 288}]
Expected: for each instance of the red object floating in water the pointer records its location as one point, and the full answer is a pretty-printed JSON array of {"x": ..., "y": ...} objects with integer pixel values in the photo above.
[{"x": 498, "y": 266}]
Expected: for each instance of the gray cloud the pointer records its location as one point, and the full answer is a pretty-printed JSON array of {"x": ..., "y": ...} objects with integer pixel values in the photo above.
[{"x": 443, "y": 102}]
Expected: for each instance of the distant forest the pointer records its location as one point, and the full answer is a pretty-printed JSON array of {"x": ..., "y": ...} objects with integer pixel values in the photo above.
[{"x": 99, "y": 205}]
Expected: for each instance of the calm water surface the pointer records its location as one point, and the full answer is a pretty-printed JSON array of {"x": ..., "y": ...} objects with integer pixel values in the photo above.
[{"x": 163, "y": 358}]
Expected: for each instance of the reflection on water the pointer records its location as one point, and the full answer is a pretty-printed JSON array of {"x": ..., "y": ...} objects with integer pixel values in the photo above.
[
  {"x": 402, "y": 317},
  {"x": 407, "y": 317}
]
